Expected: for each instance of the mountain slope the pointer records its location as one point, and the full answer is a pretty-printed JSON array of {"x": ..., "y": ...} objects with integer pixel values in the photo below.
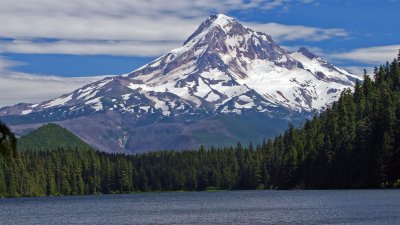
[
  {"x": 223, "y": 68},
  {"x": 50, "y": 137}
]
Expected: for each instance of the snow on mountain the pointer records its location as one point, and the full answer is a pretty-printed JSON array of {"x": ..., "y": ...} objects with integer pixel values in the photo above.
[{"x": 222, "y": 68}]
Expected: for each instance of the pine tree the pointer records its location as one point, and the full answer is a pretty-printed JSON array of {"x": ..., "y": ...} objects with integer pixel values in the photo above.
[{"x": 8, "y": 142}]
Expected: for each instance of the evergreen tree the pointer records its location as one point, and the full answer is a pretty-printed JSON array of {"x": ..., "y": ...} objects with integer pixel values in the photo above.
[{"x": 8, "y": 141}]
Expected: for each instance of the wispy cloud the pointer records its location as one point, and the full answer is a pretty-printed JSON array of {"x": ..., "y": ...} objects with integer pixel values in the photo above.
[
  {"x": 126, "y": 27},
  {"x": 371, "y": 55},
  {"x": 281, "y": 32},
  {"x": 119, "y": 48},
  {"x": 112, "y": 20},
  {"x": 19, "y": 87}
]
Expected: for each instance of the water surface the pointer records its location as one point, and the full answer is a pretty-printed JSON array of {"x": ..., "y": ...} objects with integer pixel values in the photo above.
[{"x": 226, "y": 207}]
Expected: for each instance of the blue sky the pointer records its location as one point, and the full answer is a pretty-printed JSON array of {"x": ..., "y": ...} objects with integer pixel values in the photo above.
[{"x": 50, "y": 47}]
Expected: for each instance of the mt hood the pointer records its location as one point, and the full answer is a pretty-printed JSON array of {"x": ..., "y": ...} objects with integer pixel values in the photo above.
[{"x": 227, "y": 83}]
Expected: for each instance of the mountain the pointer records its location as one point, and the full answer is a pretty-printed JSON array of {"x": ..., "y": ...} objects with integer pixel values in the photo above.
[
  {"x": 227, "y": 83},
  {"x": 50, "y": 137},
  {"x": 353, "y": 144}
]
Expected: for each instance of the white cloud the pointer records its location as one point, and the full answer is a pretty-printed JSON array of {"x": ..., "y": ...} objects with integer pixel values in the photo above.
[
  {"x": 273, "y": 4},
  {"x": 126, "y": 27},
  {"x": 5, "y": 64},
  {"x": 22, "y": 87},
  {"x": 112, "y": 20},
  {"x": 281, "y": 32},
  {"x": 121, "y": 48},
  {"x": 371, "y": 55}
]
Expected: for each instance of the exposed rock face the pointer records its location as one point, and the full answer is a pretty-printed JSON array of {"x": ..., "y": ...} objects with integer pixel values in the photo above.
[{"x": 223, "y": 69}]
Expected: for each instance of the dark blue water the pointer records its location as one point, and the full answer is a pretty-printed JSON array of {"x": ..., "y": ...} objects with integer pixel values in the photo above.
[{"x": 227, "y": 207}]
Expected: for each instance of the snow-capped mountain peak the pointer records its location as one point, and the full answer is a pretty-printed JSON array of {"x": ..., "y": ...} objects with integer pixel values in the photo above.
[
  {"x": 223, "y": 67},
  {"x": 224, "y": 84},
  {"x": 219, "y": 21}
]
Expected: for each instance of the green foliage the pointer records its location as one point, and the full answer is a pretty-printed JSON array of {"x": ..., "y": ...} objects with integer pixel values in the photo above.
[
  {"x": 7, "y": 141},
  {"x": 48, "y": 137},
  {"x": 353, "y": 144}
]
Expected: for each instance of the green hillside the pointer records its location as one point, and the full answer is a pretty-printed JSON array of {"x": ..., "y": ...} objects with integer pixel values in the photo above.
[
  {"x": 353, "y": 144},
  {"x": 50, "y": 137}
]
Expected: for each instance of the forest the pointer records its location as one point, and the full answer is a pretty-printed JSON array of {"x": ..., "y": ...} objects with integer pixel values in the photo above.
[{"x": 353, "y": 144}]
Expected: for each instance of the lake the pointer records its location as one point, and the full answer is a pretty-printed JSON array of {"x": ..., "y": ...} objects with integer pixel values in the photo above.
[{"x": 225, "y": 207}]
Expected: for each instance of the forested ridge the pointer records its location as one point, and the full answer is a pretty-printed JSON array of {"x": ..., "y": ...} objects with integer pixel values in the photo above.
[
  {"x": 49, "y": 137},
  {"x": 353, "y": 144}
]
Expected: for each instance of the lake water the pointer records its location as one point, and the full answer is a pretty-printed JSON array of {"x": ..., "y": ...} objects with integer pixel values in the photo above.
[{"x": 225, "y": 207}]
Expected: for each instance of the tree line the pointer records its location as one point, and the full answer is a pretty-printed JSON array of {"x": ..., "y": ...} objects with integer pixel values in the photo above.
[{"x": 353, "y": 144}]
